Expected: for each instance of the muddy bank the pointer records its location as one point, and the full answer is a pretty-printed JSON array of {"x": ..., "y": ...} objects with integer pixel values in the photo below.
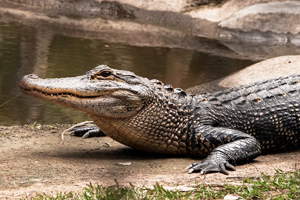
[{"x": 35, "y": 159}]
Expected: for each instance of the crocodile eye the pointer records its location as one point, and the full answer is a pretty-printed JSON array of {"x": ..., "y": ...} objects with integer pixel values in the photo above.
[{"x": 105, "y": 73}]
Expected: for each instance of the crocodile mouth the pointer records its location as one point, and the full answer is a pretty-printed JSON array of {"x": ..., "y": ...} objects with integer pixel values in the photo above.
[
  {"x": 104, "y": 98},
  {"x": 47, "y": 89},
  {"x": 37, "y": 92}
]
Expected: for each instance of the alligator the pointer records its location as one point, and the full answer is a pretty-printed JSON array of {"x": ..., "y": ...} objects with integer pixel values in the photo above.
[{"x": 225, "y": 128}]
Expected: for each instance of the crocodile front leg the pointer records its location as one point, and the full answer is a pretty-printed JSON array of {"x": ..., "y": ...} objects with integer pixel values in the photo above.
[
  {"x": 228, "y": 147},
  {"x": 85, "y": 129}
]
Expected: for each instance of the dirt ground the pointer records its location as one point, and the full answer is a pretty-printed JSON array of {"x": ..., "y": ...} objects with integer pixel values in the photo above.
[{"x": 34, "y": 159}]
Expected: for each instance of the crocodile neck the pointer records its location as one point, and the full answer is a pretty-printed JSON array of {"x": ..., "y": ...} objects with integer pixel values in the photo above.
[{"x": 161, "y": 126}]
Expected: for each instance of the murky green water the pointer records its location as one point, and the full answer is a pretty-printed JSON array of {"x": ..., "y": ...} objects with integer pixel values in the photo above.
[{"x": 25, "y": 50}]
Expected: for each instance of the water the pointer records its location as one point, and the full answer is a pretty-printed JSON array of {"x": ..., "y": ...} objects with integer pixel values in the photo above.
[{"x": 25, "y": 50}]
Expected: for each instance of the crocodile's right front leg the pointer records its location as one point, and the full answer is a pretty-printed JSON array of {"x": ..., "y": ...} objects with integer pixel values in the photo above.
[
  {"x": 85, "y": 129},
  {"x": 228, "y": 147}
]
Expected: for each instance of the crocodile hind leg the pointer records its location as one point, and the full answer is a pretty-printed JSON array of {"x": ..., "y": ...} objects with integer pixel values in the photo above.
[
  {"x": 228, "y": 147},
  {"x": 85, "y": 129}
]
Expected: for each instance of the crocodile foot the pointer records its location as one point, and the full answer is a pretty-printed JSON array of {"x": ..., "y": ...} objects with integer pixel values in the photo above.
[
  {"x": 85, "y": 129},
  {"x": 210, "y": 165}
]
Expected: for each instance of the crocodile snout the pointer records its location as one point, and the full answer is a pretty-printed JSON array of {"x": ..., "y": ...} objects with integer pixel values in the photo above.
[{"x": 25, "y": 82}]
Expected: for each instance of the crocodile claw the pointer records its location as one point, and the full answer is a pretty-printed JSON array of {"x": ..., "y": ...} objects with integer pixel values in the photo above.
[
  {"x": 209, "y": 165},
  {"x": 85, "y": 129}
]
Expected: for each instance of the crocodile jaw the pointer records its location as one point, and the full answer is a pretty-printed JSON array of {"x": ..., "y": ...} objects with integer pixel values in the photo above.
[{"x": 102, "y": 98}]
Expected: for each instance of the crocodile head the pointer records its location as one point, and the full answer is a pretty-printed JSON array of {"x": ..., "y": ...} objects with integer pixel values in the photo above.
[
  {"x": 133, "y": 110},
  {"x": 101, "y": 91}
]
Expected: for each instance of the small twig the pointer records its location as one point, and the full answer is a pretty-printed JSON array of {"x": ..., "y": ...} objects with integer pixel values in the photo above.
[
  {"x": 9, "y": 100},
  {"x": 6, "y": 103}
]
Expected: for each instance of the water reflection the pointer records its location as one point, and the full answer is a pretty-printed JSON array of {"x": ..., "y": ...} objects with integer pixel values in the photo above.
[{"x": 25, "y": 50}]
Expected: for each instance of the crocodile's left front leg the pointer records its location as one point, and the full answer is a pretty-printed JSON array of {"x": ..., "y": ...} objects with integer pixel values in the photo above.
[
  {"x": 85, "y": 129},
  {"x": 228, "y": 147}
]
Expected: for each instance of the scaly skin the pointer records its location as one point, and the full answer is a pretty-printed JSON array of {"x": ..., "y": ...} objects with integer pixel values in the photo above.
[{"x": 229, "y": 127}]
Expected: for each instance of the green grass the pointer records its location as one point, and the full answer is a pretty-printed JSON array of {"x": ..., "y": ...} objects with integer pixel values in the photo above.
[{"x": 283, "y": 185}]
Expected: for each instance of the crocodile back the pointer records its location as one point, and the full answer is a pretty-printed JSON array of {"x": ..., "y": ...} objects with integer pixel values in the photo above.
[{"x": 268, "y": 110}]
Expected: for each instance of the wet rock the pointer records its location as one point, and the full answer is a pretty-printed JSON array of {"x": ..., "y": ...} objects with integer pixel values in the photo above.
[
  {"x": 75, "y": 9},
  {"x": 193, "y": 4},
  {"x": 115, "y": 10}
]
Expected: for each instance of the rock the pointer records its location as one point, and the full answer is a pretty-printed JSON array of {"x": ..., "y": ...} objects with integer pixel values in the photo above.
[
  {"x": 263, "y": 23},
  {"x": 275, "y": 17},
  {"x": 271, "y": 68},
  {"x": 125, "y": 164}
]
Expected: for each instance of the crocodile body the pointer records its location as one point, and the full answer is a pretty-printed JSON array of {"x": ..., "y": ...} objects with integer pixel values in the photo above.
[{"x": 228, "y": 127}]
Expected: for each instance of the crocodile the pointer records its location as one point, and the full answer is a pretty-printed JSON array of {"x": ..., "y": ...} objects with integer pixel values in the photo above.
[{"x": 225, "y": 128}]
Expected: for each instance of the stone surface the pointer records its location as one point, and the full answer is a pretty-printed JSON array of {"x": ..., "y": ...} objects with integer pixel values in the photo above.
[
  {"x": 276, "y": 17},
  {"x": 271, "y": 68}
]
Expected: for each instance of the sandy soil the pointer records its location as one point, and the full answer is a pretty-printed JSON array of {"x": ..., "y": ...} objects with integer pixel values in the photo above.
[{"x": 35, "y": 159}]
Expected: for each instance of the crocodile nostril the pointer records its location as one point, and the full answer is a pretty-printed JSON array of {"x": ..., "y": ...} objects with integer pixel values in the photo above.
[{"x": 32, "y": 76}]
